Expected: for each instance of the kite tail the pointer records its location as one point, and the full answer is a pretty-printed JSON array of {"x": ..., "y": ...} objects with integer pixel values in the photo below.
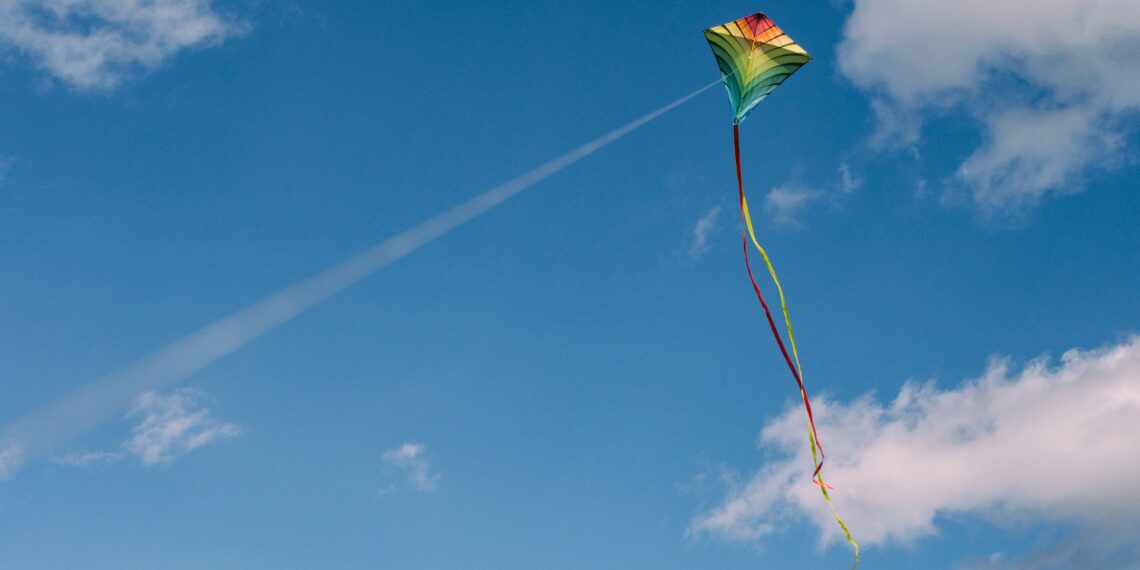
[{"x": 747, "y": 232}]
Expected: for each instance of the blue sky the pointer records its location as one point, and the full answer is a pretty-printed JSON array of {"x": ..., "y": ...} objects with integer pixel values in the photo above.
[{"x": 581, "y": 376}]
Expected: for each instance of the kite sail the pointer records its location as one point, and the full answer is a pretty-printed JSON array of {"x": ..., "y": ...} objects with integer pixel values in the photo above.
[{"x": 755, "y": 56}]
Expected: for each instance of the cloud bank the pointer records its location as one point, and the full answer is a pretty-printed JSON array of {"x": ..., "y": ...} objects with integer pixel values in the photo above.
[
  {"x": 95, "y": 44},
  {"x": 1046, "y": 442},
  {"x": 1051, "y": 81}
]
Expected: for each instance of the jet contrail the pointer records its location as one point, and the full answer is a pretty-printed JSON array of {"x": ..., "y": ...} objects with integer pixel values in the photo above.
[{"x": 54, "y": 424}]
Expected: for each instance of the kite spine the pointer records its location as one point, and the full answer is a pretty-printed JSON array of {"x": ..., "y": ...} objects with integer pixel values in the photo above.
[{"x": 797, "y": 371}]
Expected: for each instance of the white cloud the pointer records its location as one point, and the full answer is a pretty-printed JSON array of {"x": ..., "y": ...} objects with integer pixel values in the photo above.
[
  {"x": 94, "y": 44},
  {"x": 848, "y": 182},
  {"x": 784, "y": 203},
  {"x": 11, "y": 458},
  {"x": 1056, "y": 442},
  {"x": 701, "y": 232},
  {"x": 410, "y": 459},
  {"x": 169, "y": 426},
  {"x": 1030, "y": 152},
  {"x": 1062, "y": 69},
  {"x": 173, "y": 425}
]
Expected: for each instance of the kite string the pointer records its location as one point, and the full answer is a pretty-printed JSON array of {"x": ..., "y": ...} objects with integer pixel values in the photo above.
[{"x": 796, "y": 369}]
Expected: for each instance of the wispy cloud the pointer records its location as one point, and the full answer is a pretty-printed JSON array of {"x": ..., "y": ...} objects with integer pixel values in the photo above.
[
  {"x": 169, "y": 426},
  {"x": 848, "y": 182},
  {"x": 173, "y": 425},
  {"x": 1052, "y": 83},
  {"x": 1056, "y": 443},
  {"x": 88, "y": 458},
  {"x": 11, "y": 458},
  {"x": 784, "y": 203},
  {"x": 701, "y": 232},
  {"x": 94, "y": 44},
  {"x": 410, "y": 459}
]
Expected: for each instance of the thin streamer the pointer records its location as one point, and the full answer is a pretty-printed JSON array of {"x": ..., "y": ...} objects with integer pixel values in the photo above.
[{"x": 797, "y": 372}]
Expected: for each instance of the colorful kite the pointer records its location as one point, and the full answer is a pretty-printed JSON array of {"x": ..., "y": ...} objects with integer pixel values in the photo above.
[{"x": 755, "y": 57}]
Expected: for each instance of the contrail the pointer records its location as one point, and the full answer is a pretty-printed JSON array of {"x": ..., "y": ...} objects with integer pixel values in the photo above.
[{"x": 54, "y": 424}]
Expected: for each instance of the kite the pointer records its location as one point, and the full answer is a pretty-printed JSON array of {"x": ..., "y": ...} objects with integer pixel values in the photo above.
[{"x": 755, "y": 56}]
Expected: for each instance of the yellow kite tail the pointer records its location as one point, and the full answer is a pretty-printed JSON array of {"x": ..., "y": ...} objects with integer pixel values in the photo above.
[{"x": 816, "y": 461}]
